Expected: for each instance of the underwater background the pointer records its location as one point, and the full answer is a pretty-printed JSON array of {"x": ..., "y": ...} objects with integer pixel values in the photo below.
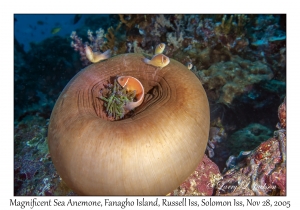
[{"x": 239, "y": 58}]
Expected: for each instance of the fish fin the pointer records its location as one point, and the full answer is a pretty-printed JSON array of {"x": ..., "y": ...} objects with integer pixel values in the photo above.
[
  {"x": 101, "y": 56},
  {"x": 132, "y": 105},
  {"x": 146, "y": 60},
  {"x": 106, "y": 54},
  {"x": 89, "y": 54}
]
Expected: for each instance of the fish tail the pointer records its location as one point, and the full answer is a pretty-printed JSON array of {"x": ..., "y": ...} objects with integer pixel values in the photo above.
[
  {"x": 146, "y": 60},
  {"x": 106, "y": 54},
  {"x": 101, "y": 56},
  {"x": 132, "y": 105}
]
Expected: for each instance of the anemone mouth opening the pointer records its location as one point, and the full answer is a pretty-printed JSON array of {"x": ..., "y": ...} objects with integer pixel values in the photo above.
[{"x": 157, "y": 92}]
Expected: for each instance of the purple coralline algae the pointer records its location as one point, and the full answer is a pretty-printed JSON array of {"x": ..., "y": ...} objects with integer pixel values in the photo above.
[
  {"x": 202, "y": 181},
  {"x": 34, "y": 173}
]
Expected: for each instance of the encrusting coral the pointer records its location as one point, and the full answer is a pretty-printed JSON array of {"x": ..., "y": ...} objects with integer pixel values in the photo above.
[
  {"x": 232, "y": 78},
  {"x": 248, "y": 138}
]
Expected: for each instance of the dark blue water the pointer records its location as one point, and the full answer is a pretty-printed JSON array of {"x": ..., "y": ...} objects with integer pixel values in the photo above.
[{"x": 36, "y": 28}]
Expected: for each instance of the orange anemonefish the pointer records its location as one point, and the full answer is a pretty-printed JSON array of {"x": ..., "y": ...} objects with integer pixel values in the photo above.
[
  {"x": 158, "y": 60},
  {"x": 131, "y": 84},
  {"x": 95, "y": 57},
  {"x": 189, "y": 65},
  {"x": 160, "y": 48}
]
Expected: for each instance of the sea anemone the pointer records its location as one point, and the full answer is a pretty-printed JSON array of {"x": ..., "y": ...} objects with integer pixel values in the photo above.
[{"x": 151, "y": 152}]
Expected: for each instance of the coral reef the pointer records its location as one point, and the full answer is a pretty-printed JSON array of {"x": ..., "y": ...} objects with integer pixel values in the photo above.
[
  {"x": 116, "y": 41},
  {"x": 200, "y": 74},
  {"x": 217, "y": 134},
  {"x": 34, "y": 173},
  {"x": 248, "y": 138},
  {"x": 274, "y": 87},
  {"x": 282, "y": 115},
  {"x": 261, "y": 171},
  {"x": 206, "y": 39},
  {"x": 40, "y": 74},
  {"x": 190, "y": 35},
  {"x": 95, "y": 42},
  {"x": 202, "y": 181},
  {"x": 232, "y": 78}
]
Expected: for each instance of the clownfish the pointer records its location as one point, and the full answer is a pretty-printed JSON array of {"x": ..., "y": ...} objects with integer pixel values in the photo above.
[
  {"x": 158, "y": 60},
  {"x": 189, "y": 65},
  {"x": 132, "y": 84},
  {"x": 95, "y": 57},
  {"x": 159, "y": 48}
]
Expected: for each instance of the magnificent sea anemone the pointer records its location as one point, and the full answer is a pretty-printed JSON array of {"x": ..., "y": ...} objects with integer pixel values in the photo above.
[{"x": 151, "y": 151}]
